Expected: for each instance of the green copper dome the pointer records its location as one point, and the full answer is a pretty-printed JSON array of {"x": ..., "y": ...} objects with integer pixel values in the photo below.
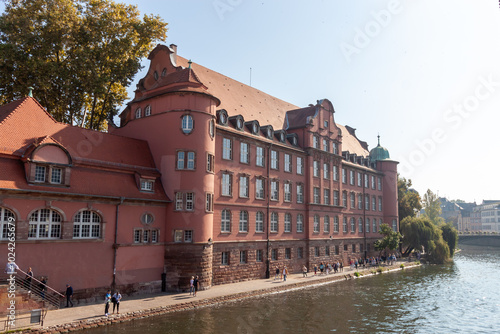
[{"x": 379, "y": 153}]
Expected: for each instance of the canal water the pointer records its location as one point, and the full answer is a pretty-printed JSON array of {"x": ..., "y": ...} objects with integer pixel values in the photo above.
[{"x": 463, "y": 297}]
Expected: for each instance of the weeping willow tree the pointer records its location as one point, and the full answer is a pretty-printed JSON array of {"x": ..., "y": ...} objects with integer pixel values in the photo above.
[{"x": 79, "y": 56}]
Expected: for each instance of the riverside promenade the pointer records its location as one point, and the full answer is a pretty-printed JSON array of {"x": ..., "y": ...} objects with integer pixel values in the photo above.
[{"x": 90, "y": 316}]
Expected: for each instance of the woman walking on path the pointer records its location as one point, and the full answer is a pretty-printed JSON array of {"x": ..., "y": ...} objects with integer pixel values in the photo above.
[
  {"x": 195, "y": 285},
  {"x": 191, "y": 286}
]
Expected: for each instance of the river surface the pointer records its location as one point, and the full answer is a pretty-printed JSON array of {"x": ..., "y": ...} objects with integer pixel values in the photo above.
[{"x": 463, "y": 297}]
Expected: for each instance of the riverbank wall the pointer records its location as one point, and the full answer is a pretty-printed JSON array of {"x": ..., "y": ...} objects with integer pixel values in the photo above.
[{"x": 80, "y": 318}]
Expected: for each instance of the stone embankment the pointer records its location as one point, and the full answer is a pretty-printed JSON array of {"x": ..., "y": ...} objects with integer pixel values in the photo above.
[{"x": 91, "y": 316}]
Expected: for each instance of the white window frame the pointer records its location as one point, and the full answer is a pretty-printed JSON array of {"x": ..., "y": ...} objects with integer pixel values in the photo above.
[
  {"x": 187, "y": 124},
  {"x": 259, "y": 221},
  {"x": 227, "y": 149},
  {"x": 87, "y": 220},
  {"x": 244, "y": 153},
  {"x": 225, "y": 221}
]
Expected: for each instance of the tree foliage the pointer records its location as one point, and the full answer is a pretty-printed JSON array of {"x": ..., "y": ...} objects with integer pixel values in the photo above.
[
  {"x": 432, "y": 206},
  {"x": 409, "y": 202},
  {"x": 79, "y": 56},
  {"x": 389, "y": 241},
  {"x": 450, "y": 236},
  {"x": 423, "y": 235}
]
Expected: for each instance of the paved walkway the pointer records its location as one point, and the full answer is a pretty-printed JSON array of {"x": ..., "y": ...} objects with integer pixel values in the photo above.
[{"x": 130, "y": 305}]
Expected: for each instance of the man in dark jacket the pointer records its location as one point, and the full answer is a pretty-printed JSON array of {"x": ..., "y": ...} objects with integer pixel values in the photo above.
[{"x": 69, "y": 295}]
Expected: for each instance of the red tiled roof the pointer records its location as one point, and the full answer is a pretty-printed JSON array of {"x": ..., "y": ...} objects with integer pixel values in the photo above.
[{"x": 84, "y": 181}]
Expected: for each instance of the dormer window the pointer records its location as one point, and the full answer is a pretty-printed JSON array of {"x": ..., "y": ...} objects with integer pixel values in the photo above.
[
  {"x": 239, "y": 124},
  {"x": 254, "y": 128},
  {"x": 48, "y": 164},
  {"x": 56, "y": 175},
  {"x": 222, "y": 117},
  {"x": 40, "y": 172},
  {"x": 138, "y": 113},
  {"x": 147, "y": 185}
]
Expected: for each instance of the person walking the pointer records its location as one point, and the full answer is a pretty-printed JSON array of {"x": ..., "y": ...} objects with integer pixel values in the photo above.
[
  {"x": 191, "y": 286},
  {"x": 43, "y": 287},
  {"x": 29, "y": 277},
  {"x": 107, "y": 301},
  {"x": 69, "y": 295},
  {"x": 304, "y": 271},
  {"x": 285, "y": 273},
  {"x": 277, "y": 273},
  {"x": 116, "y": 301},
  {"x": 195, "y": 285}
]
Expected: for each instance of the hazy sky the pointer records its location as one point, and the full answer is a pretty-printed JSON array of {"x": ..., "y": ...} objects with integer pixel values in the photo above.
[{"x": 424, "y": 74}]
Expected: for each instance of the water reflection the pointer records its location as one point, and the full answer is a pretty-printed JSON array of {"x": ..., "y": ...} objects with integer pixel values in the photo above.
[{"x": 461, "y": 297}]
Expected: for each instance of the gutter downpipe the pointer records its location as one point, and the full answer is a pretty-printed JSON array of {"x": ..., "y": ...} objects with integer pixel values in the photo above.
[
  {"x": 364, "y": 212},
  {"x": 115, "y": 244},
  {"x": 268, "y": 270}
]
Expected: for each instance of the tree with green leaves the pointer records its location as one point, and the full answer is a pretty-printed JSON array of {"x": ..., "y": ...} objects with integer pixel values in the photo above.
[
  {"x": 423, "y": 235},
  {"x": 390, "y": 240},
  {"x": 409, "y": 202},
  {"x": 79, "y": 56},
  {"x": 432, "y": 207},
  {"x": 450, "y": 236}
]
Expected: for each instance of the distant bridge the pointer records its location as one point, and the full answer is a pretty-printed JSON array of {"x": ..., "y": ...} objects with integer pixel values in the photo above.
[{"x": 479, "y": 239}]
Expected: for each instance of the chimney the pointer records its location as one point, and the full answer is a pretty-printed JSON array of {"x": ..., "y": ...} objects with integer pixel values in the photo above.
[{"x": 174, "y": 48}]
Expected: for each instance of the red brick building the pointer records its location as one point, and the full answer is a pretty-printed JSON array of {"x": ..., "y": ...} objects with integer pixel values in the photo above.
[{"x": 205, "y": 175}]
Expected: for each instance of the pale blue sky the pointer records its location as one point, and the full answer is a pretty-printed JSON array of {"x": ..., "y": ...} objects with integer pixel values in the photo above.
[{"x": 424, "y": 74}]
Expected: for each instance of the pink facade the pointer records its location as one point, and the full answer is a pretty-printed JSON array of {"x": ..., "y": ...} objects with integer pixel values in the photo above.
[{"x": 204, "y": 176}]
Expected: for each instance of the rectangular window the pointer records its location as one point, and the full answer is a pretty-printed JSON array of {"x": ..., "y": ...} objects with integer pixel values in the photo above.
[
  {"x": 326, "y": 225},
  {"x": 326, "y": 171},
  {"x": 178, "y": 235},
  {"x": 209, "y": 204},
  {"x": 244, "y": 153},
  {"x": 335, "y": 148},
  {"x": 226, "y": 184},
  {"x": 373, "y": 182},
  {"x": 243, "y": 256},
  {"x": 300, "y": 193},
  {"x": 259, "y": 156},
  {"x": 367, "y": 202},
  {"x": 316, "y": 168},
  {"x": 300, "y": 165},
  {"x": 325, "y": 145},
  {"x": 380, "y": 204},
  {"x": 188, "y": 236},
  {"x": 274, "y": 191},
  {"x": 179, "y": 201},
  {"x": 189, "y": 201},
  {"x": 274, "y": 222},
  {"x": 185, "y": 160},
  {"x": 316, "y": 251},
  {"x": 225, "y": 221},
  {"x": 243, "y": 221},
  {"x": 351, "y": 177},
  {"x": 344, "y": 199},
  {"x": 287, "y": 196},
  {"x": 327, "y": 250},
  {"x": 353, "y": 201},
  {"x": 190, "y": 160},
  {"x": 346, "y": 247},
  {"x": 259, "y": 222},
  {"x": 344, "y": 225},
  {"x": 337, "y": 250},
  {"x": 379, "y": 183},
  {"x": 335, "y": 173},
  {"x": 259, "y": 188},
  {"x": 315, "y": 142},
  {"x": 316, "y": 224},
  {"x": 137, "y": 236},
  {"x": 227, "y": 149},
  {"x": 300, "y": 253},
  {"x": 366, "y": 181},
  {"x": 210, "y": 163},
  {"x": 360, "y": 225},
  {"x": 145, "y": 236},
  {"x": 274, "y": 254},
  {"x": 154, "y": 236},
  {"x": 224, "y": 258},
  {"x": 316, "y": 196},
  {"x": 360, "y": 201},
  {"x": 287, "y": 227},
  {"x": 244, "y": 186},
  {"x": 40, "y": 173},
  {"x": 258, "y": 255},
  {"x": 56, "y": 175},
  {"x": 336, "y": 197},
  {"x": 300, "y": 223},
  {"x": 288, "y": 253},
  {"x": 360, "y": 180},
  {"x": 344, "y": 175},
  {"x": 288, "y": 163},
  {"x": 374, "y": 203},
  {"x": 336, "y": 224},
  {"x": 326, "y": 196},
  {"x": 274, "y": 159}
]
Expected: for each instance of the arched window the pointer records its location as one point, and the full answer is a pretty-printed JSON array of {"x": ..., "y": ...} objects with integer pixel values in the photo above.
[
  {"x": 6, "y": 217},
  {"x": 353, "y": 225},
  {"x": 336, "y": 224},
  {"x": 187, "y": 124},
  {"x": 326, "y": 226},
  {"x": 147, "y": 110},
  {"x": 45, "y": 223},
  {"x": 368, "y": 225},
  {"x": 360, "y": 225},
  {"x": 316, "y": 224},
  {"x": 288, "y": 223},
  {"x": 138, "y": 113},
  {"x": 300, "y": 223},
  {"x": 87, "y": 225}
]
